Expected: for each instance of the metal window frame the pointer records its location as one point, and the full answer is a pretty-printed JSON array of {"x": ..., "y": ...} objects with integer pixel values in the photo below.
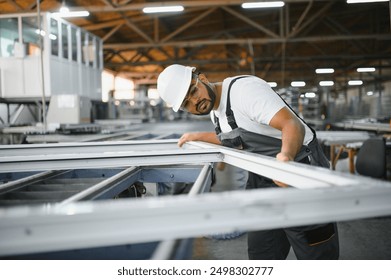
[
  {"x": 320, "y": 195},
  {"x": 161, "y": 152}
]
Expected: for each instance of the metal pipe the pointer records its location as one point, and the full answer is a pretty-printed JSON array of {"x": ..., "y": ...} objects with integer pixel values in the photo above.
[
  {"x": 244, "y": 41},
  {"x": 292, "y": 173},
  {"x": 7, "y": 151},
  {"x": 42, "y": 70},
  {"x": 102, "y": 186},
  {"x": 165, "y": 248},
  {"x": 107, "y": 160},
  {"x": 17, "y": 184},
  {"x": 200, "y": 184}
]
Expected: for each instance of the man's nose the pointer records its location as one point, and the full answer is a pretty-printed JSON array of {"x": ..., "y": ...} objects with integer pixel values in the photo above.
[{"x": 194, "y": 100}]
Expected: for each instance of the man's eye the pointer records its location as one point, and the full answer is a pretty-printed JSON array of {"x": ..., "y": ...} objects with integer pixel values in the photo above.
[{"x": 193, "y": 91}]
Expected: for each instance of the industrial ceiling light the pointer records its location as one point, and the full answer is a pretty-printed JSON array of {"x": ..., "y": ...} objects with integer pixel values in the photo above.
[
  {"x": 364, "y": 1},
  {"x": 270, "y": 4},
  {"x": 43, "y": 34},
  {"x": 72, "y": 14},
  {"x": 64, "y": 9},
  {"x": 326, "y": 83},
  {"x": 297, "y": 84},
  {"x": 310, "y": 94},
  {"x": 366, "y": 69},
  {"x": 163, "y": 9},
  {"x": 272, "y": 84},
  {"x": 64, "y": 12},
  {"x": 355, "y": 83},
  {"x": 324, "y": 70}
]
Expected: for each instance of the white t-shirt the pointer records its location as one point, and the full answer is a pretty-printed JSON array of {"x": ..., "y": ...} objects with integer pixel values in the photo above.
[{"x": 254, "y": 104}]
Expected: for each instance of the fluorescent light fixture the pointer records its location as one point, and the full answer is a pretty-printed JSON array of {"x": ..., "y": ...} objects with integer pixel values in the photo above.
[
  {"x": 163, "y": 9},
  {"x": 298, "y": 84},
  {"x": 71, "y": 14},
  {"x": 43, "y": 33},
  {"x": 310, "y": 94},
  {"x": 40, "y": 32},
  {"x": 355, "y": 83},
  {"x": 269, "y": 4},
  {"x": 369, "y": 93},
  {"x": 366, "y": 69},
  {"x": 326, "y": 83},
  {"x": 365, "y": 1},
  {"x": 324, "y": 70},
  {"x": 272, "y": 84},
  {"x": 64, "y": 9}
]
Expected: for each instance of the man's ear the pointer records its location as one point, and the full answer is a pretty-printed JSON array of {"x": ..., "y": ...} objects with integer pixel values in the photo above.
[{"x": 203, "y": 78}]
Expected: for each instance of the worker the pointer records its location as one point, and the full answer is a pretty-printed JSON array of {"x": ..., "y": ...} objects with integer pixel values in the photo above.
[{"x": 249, "y": 115}]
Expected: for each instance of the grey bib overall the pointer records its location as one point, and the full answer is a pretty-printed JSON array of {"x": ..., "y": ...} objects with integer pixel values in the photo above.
[{"x": 308, "y": 242}]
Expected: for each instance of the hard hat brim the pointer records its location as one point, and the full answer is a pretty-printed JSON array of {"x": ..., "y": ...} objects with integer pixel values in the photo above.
[{"x": 184, "y": 87}]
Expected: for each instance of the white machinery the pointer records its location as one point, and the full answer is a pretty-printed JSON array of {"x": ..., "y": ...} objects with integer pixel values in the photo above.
[{"x": 53, "y": 60}]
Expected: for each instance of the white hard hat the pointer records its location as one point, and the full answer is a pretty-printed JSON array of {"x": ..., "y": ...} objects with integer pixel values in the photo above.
[{"x": 173, "y": 84}]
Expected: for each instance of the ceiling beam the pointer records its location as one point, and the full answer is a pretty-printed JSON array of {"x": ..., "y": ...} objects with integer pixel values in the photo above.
[
  {"x": 112, "y": 31},
  {"x": 133, "y": 26},
  {"x": 109, "y": 3},
  {"x": 186, "y": 4},
  {"x": 15, "y": 5},
  {"x": 303, "y": 16},
  {"x": 315, "y": 17},
  {"x": 194, "y": 43},
  {"x": 250, "y": 22},
  {"x": 98, "y": 26},
  {"x": 330, "y": 59},
  {"x": 187, "y": 25}
]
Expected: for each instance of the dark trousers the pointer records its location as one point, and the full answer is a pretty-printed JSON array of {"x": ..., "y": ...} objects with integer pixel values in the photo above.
[
  {"x": 315, "y": 242},
  {"x": 275, "y": 244}
]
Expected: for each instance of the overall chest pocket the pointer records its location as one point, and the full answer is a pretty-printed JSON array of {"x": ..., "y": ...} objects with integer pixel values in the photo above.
[{"x": 232, "y": 139}]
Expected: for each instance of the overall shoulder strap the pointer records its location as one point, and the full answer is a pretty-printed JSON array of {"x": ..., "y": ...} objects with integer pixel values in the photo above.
[{"x": 229, "y": 113}]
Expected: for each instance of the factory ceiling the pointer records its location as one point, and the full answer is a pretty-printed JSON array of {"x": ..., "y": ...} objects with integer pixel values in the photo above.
[{"x": 221, "y": 38}]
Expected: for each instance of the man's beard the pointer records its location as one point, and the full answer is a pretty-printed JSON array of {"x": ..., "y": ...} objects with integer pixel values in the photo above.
[{"x": 212, "y": 96}]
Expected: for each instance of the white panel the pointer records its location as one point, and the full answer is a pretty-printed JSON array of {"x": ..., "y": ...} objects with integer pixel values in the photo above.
[
  {"x": 66, "y": 77},
  {"x": 56, "y": 84},
  {"x": 98, "y": 85},
  {"x": 32, "y": 76},
  {"x": 12, "y": 71},
  {"x": 92, "y": 83},
  {"x": 85, "y": 82},
  {"x": 64, "y": 109},
  {"x": 75, "y": 79},
  {"x": 1, "y": 81}
]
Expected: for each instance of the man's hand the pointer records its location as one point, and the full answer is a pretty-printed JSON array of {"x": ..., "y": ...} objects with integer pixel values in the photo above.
[
  {"x": 209, "y": 137},
  {"x": 285, "y": 158},
  {"x": 186, "y": 138}
]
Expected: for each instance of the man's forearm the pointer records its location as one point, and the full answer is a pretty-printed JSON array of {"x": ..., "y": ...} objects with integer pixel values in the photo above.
[
  {"x": 209, "y": 137},
  {"x": 292, "y": 139}
]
